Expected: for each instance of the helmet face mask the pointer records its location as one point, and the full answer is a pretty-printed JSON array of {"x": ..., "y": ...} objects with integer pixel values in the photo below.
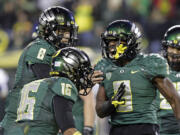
[
  {"x": 126, "y": 36},
  {"x": 74, "y": 64},
  {"x": 57, "y": 19},
  {"x": 171, "y": 47}
]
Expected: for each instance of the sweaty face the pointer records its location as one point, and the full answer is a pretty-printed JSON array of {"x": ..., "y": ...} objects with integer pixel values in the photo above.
[
  {"x": 116, "y": 49},
  {"x": 173, "y": 54},
  {"x": 65, "y": 33},
  {"x": 63, "y": 37},
  {"x": 173, "y": 57}
]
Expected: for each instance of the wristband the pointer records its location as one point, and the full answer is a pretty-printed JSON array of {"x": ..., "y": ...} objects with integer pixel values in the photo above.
[{"x": 87, "y": 130}]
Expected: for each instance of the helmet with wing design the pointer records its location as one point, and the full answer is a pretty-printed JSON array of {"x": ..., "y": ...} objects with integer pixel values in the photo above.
[
  {"x": 54, "y": 22},
  {"x": 74, "y": 64},
  {"x": 171, "y": 47},
  {"x": 126, "y": 35}
]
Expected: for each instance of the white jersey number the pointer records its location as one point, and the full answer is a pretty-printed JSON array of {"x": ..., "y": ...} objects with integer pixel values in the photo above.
[{"x": 26, "y": 106}]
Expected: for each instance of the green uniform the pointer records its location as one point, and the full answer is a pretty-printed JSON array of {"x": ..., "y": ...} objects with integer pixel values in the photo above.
[
  {"x": 167, "y": 121},
  {"x": 78, "y": 112},
  {"x": 105, "y": 65},
  {"x": 35, "y": 114},
  {"x": 38, "y": 51},
  {"x": 140, "y": 95}
]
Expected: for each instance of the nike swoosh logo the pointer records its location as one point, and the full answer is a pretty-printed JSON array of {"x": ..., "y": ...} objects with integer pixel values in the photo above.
[{"x": 133, "y": 72}]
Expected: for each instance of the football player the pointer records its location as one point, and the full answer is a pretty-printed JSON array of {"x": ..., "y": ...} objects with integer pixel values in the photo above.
[
  {"x": 128, "y": 91},
  {"x": 171, "y": 51},
  {"x": 45, "y": 105},
  {"x": 57, "y": 29}
]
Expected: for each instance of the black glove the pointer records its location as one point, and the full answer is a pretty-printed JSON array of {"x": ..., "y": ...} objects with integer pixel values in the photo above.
[
  {"x": 116, "y": 99},
  {"x": 88, "y": 130},
  {"x": 179, "y": 124},
  {"x": 1, "y": 131},
  {"x": 110, "y": 105}
]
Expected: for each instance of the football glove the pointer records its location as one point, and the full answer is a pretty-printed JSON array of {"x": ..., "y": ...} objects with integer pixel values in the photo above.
[
  {"x": 87, "y": 130},
  {"x": 1, "y": 130},
  {"x": 109, "y": 106},
  {"x": 179, "y": 124},
  {"x": 116, "y": 99}
]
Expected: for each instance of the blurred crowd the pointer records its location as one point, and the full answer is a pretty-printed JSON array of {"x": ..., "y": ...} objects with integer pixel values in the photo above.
[{"x": 19, "y": 19}]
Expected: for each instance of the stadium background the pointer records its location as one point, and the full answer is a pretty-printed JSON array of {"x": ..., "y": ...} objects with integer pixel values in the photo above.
[{"x": 19, "y": 18}]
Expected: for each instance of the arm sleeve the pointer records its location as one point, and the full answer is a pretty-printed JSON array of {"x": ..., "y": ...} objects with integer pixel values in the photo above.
[
  {"x": 63, "y": 113},
  {"x": 41, "y": 70}
]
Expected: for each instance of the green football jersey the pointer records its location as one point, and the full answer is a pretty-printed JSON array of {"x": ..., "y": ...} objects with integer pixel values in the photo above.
[
  {"x": 105, "y": 65},
  {"x": 38, "y": 51},
  {"x": 140, "y": 96},
  {"x": 167, "y": 121},
  {"x": 35, "y": 113}
]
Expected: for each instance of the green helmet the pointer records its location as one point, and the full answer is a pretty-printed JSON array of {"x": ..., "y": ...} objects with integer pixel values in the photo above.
[
  {"x": 57, "y": 18},
  {"x": 74, "y": 64},
  {"x": 121, "y": 31},
  {"x": 172, "y": 39}
]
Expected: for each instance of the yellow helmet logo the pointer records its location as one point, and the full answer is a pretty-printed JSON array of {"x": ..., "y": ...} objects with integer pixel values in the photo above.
[
  {"x": 56, "y": 54},
  {"x": 120, "y": 49}
]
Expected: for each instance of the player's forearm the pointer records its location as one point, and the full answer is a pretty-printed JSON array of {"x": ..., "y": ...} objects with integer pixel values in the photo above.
[
  {"x": 89, "y": 110},
  {"x": 104, "y": 109},
  {"x": 167, "y": 89},
  {"x": 175, "y": 104},
  {"x": 173, "y": 98}
]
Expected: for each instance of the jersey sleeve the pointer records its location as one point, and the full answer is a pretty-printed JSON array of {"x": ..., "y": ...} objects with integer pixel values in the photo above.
[
  {"x": 156, "y": 66},
  {"x": 65, "y": 88},
  {"x": 39, "y": 52},
  {"x": 105, "y": 66}
]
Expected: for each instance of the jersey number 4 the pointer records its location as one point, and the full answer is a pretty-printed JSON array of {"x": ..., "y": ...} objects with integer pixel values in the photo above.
[{"x": 127, "y": 106}]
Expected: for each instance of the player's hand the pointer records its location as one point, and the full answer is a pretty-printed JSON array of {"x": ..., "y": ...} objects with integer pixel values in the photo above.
[
  {"x": 96, "y": 76},
  {"x": 87, "y": 130},
  {"x": 116, "y": 99}
]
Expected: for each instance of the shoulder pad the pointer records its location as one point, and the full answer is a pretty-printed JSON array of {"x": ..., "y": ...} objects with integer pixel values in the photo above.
[
  {"x": 66, "y": 88},
  {"x": 39, "y": 51}
]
